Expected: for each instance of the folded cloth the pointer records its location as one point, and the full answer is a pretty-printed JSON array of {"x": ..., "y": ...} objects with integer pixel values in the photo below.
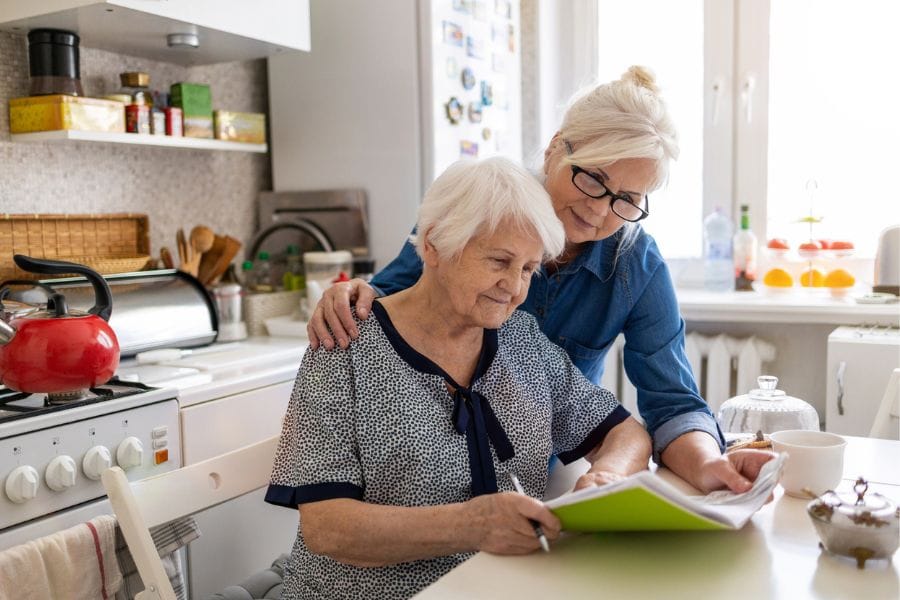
[
  {"x": 168, "y": 538},
  {"x": 79, "y": 562},
  {"x": 264, "y": 585}
]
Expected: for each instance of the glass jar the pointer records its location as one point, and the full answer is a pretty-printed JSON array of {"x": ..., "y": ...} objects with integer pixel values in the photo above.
[{"x": 766, "y": 409}]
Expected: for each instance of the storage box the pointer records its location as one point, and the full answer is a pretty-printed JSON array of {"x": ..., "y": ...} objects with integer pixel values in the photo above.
[
  {"x": 195, "y": 102},
  {"x": 240, "y": 126},
  {"x": 55, "y": 112},
  {"x": 108, "y": 243},
  {"x": 258, "y": 307}
]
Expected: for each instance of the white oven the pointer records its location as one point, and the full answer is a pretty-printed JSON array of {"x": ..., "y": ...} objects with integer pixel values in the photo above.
[
  {"x": 51, "y": 455},
  {"x": 860, "y": 363},
  {"x": 231, "y": 395}
]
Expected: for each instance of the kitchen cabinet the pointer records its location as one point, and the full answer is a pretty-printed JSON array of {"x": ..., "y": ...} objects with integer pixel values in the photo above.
[{"x": 227, "y": 30}]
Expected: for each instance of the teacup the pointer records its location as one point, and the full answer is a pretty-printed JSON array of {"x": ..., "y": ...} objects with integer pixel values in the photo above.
[{"x": 815, "y": 460}]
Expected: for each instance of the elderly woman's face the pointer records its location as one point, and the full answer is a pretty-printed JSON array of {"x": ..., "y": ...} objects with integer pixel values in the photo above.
[
  {"x": 491, "y": 277},
  {"x": 588, "y": 219}
]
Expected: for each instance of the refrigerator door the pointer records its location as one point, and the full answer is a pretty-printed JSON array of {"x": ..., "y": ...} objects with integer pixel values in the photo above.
[{"x": 860, "y": 363}]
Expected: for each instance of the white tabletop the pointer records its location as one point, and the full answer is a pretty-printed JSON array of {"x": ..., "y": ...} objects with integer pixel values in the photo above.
[{"x": 776, "y": 555}]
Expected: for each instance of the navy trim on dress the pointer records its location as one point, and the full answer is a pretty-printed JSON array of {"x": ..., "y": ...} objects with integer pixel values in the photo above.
[
  {"x": 472, "y": 413},
  {"x": 291, "y": 496},
  {"x": 596, "y": 436}
]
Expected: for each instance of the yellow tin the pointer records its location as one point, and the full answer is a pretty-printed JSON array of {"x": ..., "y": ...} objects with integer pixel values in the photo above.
[
  {"x": 240, "y": 126},
  {"x": 55, "y": 112}
]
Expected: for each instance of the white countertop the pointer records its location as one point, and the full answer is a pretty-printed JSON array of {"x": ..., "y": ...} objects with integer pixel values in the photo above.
[
  {"x": 793, "y": 306},
  {"x": 775, "y": 555}
]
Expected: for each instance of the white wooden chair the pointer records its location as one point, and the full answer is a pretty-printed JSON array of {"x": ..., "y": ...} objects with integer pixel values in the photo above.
[
  {"x": 156, "y": 500},
  {"x": 887, "y": 420}
]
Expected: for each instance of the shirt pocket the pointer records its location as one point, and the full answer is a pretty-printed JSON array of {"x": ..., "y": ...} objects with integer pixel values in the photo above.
[{"x": 588, "y": 360}]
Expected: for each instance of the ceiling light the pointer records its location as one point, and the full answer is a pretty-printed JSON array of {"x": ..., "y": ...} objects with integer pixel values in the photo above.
[{"x": 183, "y": 40}]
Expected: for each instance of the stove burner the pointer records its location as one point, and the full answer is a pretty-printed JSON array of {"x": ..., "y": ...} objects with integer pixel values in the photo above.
[
  {"x": 19, "y": 405},
  {"x": 57, "y": 398}
]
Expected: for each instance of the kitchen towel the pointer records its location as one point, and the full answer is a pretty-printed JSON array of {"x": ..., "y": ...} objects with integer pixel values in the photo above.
[
  {"x": 79, "y": 562},
  {"x": 168, "y": 538}
]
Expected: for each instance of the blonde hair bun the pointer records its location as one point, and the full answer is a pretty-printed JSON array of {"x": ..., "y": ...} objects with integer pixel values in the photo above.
[{"x": 641, "y": 77}]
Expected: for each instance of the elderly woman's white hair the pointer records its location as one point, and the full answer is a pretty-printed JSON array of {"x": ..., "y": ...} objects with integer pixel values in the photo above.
[{"x": 473, "y": 197}]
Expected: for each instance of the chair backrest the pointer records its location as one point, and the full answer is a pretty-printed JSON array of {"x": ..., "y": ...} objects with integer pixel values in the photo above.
[
  {"x": 156, "y": 500},
  {"x": 887, "y": 420}
]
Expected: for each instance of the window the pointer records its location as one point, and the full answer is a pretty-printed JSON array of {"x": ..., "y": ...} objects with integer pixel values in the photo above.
[{"x": 786, "y": 105}]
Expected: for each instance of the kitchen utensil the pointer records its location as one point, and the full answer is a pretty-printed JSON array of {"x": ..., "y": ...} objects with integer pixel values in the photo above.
[
  {"x": 887, "y": 262},
  {"x": 864, "y": 527},
  {"x": 165, "y": 255},
  {"x": 184, "y": 255},
  {"x": 210, "y": 258},
  {"x": 229, "y": 251},
  {"x": 200, "y": 241},
  {"x": 56, "y": 350},
  {"x": 815, "y": 460},
  {"x": 766, "y": 409}
]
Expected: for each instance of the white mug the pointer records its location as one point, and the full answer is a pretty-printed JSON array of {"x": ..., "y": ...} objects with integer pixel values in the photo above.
[{"x": 815, "y": 460}]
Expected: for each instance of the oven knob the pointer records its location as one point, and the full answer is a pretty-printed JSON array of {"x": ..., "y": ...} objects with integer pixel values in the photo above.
[
  {"x": 22, "y": 484},
  {"x": 130, "y": 453},
  {"x": 60, "y": 473},
  {"x": 97, "y": 460}
]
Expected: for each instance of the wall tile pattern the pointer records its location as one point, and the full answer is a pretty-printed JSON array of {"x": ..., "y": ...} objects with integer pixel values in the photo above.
[{"x": 176, "y": 187}]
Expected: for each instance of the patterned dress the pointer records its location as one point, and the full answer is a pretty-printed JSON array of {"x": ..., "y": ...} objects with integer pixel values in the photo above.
[{"x": 377, "y": 423}]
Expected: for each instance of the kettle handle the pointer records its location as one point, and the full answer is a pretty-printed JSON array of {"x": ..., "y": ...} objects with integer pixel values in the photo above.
[{"x": 102, "y": 294}]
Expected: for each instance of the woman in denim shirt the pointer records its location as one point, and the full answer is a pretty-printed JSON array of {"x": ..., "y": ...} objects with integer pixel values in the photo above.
[{"x": 612, "y": 149}]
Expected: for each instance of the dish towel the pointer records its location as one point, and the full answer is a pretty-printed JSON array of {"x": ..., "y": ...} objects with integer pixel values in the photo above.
[
  {"x": 168, "y": 538},
  {"x": 73, "y": 564}
]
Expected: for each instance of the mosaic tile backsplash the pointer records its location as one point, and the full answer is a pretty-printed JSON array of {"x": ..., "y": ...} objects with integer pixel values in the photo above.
[{"x": 176, "y": 187}]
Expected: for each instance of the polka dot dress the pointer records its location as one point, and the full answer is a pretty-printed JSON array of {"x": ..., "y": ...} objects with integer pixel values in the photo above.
[{"x": 375, "y": 423}]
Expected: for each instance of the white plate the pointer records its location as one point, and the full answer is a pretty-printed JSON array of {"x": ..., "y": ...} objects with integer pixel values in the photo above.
[{"x": 876, "y": 298}]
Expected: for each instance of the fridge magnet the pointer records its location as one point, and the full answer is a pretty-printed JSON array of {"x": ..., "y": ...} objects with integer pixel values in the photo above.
[
  {"x": 474, "y": 47},
  {"x": 498, "y": 34},
  {"x": 467, "y": 148},
  {"x": 453, "y": 34},
  {"x": 512, "y": 38},
  {"x": 498, "y": 62},
  {"x": 475, "y": 112},
  {"x": 451, "y": 67},
  {"x": 454, "y": 110},
  {"x": 487, "y": 93},
  {"x": 503, "y": 8},
  {"x": 480, "y": 10},
  {"x": 486, "y": 133},
  {"x": 463, "y": 6},
  {"x": 468, "y": 78}
]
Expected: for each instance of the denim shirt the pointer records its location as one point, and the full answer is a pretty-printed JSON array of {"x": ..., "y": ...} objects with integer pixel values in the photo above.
[{"x": 587, "y": 303}]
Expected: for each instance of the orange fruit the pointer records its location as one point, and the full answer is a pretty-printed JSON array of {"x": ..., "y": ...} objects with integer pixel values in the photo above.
[
  {"x": 839, "y": 278},
  {"x": 778, "y": 278},
  {"x": 812, "y": 278}
]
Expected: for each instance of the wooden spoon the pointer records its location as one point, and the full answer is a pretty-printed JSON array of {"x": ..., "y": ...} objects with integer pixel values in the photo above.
[{"x": 201, "y": 241}]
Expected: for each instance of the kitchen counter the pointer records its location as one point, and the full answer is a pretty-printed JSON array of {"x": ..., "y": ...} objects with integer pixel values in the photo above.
[
  {"x": 775, "y": 555},
  {"x": 794, "y": 306}
]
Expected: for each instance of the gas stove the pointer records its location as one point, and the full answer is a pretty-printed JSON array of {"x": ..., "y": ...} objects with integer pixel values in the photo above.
[{"x": 20, "y": 405}]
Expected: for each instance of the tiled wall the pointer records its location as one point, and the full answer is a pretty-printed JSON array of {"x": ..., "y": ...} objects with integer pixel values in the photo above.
[{"x": 176, "y": 187}]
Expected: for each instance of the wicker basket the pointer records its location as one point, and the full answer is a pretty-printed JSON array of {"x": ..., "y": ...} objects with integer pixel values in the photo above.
[
  {"x": 107, "y": 243},
  {"x": 262, "y": 306}
]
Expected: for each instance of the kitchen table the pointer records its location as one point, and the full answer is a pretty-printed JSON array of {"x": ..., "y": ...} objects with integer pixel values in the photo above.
[{"x": 776, "y": 555}]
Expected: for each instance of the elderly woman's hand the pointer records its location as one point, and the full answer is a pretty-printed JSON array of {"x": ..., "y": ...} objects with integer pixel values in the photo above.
[
  {"x": 598, "y": 478},
  {"x": 500, "y": 523},
  {"x": 333, "y": 310}
]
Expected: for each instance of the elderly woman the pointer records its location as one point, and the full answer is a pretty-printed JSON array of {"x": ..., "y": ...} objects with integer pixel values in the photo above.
[{"x": 398, "y": 451}]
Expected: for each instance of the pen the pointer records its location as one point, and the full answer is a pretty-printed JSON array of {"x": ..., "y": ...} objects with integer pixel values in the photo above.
[{"x": 537, "y": 528}]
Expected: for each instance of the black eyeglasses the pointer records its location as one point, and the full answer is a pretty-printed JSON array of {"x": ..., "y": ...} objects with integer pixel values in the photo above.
[{"x": 621, "y": 204}]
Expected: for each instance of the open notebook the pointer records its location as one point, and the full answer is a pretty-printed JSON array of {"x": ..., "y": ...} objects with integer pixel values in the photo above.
[{"x": 646, "y": 502}]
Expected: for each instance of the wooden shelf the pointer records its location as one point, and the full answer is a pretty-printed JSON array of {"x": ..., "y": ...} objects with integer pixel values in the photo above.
[{"x": 139, "y": 139}]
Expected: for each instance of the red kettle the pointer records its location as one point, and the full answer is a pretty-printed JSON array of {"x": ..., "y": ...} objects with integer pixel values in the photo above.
[{"x": 57, "y": 350}]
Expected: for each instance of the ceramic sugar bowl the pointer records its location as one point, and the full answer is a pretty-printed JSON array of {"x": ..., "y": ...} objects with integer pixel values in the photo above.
[{"x": 865, "y": 527}]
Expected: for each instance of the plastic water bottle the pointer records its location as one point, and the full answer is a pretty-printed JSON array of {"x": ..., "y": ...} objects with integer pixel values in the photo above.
[{"x": 718, "y": 275}]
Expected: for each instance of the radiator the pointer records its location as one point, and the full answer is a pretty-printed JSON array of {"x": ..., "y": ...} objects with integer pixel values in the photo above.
[{"x": 723, "y": 366}]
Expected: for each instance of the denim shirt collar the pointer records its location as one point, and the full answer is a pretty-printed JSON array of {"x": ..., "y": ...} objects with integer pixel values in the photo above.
[{"x": 599, "y": 258}]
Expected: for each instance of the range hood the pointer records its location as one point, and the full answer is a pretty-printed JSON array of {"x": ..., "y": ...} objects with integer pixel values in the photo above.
[{"x": 225, "y": 30}]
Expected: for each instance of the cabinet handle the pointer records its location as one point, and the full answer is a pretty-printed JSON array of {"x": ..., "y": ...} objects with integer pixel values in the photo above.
[{"x": 840, "y": 383}]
